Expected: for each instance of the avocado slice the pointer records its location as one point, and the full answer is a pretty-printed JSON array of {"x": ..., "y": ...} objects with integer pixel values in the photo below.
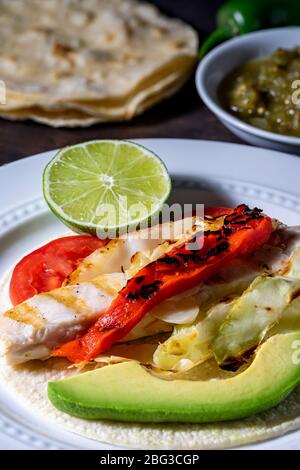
[{"x": 128, "y": 392}]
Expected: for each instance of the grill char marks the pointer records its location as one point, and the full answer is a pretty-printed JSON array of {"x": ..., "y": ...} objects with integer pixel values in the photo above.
[
  {"x": 145, "y": 292},
  {"x": 169, "y": 260},
  {"x": 148, "y": 290},
  {"x": 223, "y": 246},
  {"x": 189, "y": 256},
  {"x": 184, "y": 257},
  {"x": 243, "y": 218},
  {"x": 139, "y": 279}
]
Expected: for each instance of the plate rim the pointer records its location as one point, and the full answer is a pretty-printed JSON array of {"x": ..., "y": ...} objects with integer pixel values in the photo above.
[{"x": 158, "y": 139}]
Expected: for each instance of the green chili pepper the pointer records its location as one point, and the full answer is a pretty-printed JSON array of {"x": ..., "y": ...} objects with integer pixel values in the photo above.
[{"x": 238, "y": 17}]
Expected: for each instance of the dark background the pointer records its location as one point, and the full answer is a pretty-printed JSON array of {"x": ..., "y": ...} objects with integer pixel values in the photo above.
[{"x": 183, "y": 115}]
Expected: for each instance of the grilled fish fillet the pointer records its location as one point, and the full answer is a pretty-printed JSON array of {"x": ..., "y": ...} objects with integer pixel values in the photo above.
[{"x": 33, "y": 328}]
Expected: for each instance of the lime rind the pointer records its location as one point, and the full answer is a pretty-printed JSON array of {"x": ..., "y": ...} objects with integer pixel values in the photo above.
[{"x": 76, "y": 175}]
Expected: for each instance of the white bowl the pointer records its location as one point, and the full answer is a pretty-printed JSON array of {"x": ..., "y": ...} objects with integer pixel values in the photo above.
[{"x": 229, "y": 55}]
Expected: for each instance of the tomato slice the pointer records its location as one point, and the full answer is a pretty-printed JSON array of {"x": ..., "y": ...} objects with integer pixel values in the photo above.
[
  {"x": 243, "y": 231},
  {"x": 47, "y": 267}
]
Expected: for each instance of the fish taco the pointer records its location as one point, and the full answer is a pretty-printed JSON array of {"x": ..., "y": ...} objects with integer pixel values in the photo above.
[{"x": 183, "y": 335}]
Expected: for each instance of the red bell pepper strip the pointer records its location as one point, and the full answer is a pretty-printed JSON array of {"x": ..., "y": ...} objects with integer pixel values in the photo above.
[
  {"x": 215, "y": 212},
  {"x": 243, "y": 231}
]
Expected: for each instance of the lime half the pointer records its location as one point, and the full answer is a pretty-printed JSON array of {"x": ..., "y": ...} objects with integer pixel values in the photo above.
[{"x": 104, "y": 187}]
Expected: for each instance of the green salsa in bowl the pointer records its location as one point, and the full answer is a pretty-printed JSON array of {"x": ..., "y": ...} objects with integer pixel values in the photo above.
[
  {"x": 251, "y": 84},
  {"x": 266, "y": 92}
]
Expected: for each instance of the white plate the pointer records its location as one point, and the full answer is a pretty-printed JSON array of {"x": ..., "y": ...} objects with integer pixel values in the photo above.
[{"x": 209, "y": 172}]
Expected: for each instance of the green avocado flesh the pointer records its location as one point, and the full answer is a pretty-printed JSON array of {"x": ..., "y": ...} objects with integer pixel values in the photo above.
[{"x": 128, "y": 392}]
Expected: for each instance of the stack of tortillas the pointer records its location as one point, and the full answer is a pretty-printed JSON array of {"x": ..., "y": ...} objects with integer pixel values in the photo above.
[{"x": 75, "y": 63}]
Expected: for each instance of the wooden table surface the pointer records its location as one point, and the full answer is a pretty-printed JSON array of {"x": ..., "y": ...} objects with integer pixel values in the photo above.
[{"x": 182, "y": 116}]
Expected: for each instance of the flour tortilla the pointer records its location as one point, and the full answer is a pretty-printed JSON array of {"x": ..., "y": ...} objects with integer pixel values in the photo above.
[
  {"x": 29, "y": 384},
  {"x": 53, "y": 119},
  {"x": 67, "y": 50},
  {"x": 175, "y": 70},
  {"x": 83, "y": 115}
]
